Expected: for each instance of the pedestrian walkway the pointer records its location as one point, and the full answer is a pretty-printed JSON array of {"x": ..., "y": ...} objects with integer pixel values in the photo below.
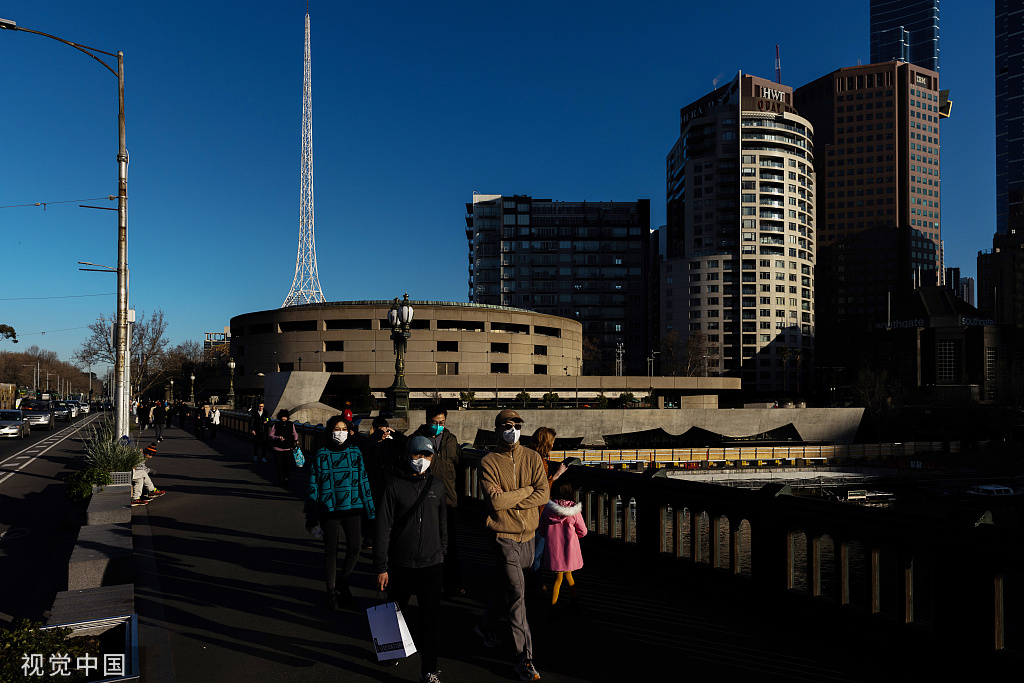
[{"x": 230, "y": 588}]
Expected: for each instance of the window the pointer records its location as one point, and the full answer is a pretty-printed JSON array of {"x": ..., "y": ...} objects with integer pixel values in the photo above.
[
  {"x": 540, "y": 350},
  {"x": 447, "y": 346},
  {"x": 499, "y": 368},
  {"x": 499, "y": 347},
  {"x": 332, "y": 345},
  {"x": 335, "y": 366},
  {"x": 540, "y": 369}
]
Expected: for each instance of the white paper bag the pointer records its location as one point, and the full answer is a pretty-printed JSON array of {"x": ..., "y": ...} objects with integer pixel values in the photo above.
[{"x": 391, "y": 637}]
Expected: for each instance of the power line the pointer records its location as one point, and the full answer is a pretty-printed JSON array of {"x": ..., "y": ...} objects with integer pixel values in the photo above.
[
  {"x": 69, "y": 296},
  {"x": 26, "y": 334},
  {"x": 66, "y": 201}
]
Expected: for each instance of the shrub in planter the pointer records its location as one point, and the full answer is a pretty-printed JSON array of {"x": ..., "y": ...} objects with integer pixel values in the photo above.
[
  {"x": 79, "y": 484},
  {"x": 105, "y": 452},
  {"x": 25, "y": 643}
]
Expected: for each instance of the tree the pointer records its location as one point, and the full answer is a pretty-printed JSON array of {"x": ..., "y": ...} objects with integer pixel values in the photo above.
[
  {"x": 695, "y": 353},
  {"x": 591, "y": 357},
  {"x": 524, "y": 397},
  {"x": 672, "y": 362},
  {"x": 7, "y": 332},
  {"x": 550, "y": 398},
  {"x": 881, "y": 396},
  {"x": 467, "y": 397},
  {"x": 147, "y": 350},
  {"x": 784, "y": 353}
]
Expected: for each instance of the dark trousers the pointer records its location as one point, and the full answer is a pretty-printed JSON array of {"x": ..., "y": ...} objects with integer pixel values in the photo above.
[
  {"x": 510, "y": 559},
  {"x": 283, "y": 460},
  {"x": 213, "y": 431},
  {"x": 181, "y": 419},
  {"x": 259, "y": 444},
  {"x": 426, "y": 584},
  {"x": 452, "y": 570},
  {"x": 158, "y": 430},
  {"x": 200, "y": 425},
  {"x": 333, "y": 525}
]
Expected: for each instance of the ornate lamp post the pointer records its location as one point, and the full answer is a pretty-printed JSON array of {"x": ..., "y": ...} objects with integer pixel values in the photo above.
[
  {"x": 231, "y": 382},
  {"x": 400, "y": 317},
  {"x": 172, "y": 391},
  {"x": 192, "y": 392}
]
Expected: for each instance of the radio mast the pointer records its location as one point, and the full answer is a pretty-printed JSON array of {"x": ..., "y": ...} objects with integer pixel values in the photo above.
[
  {"x": 778, "y": 66},
  {"x": 306, "y": 284}
]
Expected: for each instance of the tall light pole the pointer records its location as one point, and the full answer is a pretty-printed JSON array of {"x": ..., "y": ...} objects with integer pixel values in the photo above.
[
  {"x": 172, "y": 390},
  {"x": 192, "y": 392},
  {"x": 400, "y": 317},
  {"x": 121, "y": 410},
  {"x": 231, "y": 382}
]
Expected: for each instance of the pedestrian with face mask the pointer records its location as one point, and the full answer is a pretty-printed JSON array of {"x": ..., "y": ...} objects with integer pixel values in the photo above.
[
  {"x": 337, "y": 495},
  {"x": 410, "y": 544},
  {"x": 515, "y": 481},
  {"x": 282, "y": 438}
]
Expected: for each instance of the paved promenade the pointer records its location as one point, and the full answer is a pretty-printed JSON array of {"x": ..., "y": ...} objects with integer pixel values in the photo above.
[{"x": 229, "y": 587}]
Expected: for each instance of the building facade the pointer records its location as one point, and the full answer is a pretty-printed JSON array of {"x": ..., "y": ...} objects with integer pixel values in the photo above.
[
  {"x": 740, "y": 240},
  {"x": 496, "y": 352},
  {"x": 905, "y": 31},
  {"x": 1009, "y": 141},
  {"x": 879, "y": 205},
  {"x": 586, "y": 261}
]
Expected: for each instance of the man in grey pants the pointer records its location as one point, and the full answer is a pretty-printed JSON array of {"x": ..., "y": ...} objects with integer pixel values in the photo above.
[{"x": 516, "y": 482}]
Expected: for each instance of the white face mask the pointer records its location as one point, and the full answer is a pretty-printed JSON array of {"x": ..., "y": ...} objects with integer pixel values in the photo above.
[
  {"x": 511, "y": 435},
  {"x": 339, "y": 436},
  {"x": 419, "y": 465}
]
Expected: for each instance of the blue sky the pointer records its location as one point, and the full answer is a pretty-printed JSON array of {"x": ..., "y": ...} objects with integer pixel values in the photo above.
[{"x": 415, "y": 106}]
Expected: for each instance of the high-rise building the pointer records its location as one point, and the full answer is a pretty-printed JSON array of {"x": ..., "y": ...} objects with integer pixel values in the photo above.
[
  {"x": 879, "y": 232},
  {"x": 587, "y": 261},
  {"x": 1009, "y": 141},
  {"x": 905, "y": 31},
  {"x": 740, "y": 236}
]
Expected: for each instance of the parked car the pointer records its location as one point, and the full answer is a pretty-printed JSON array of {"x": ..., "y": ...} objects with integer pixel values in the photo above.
[
  {"x": 14, "y": 424},
  {"x": 39, "y": 413},
  {"x": 84, "y": 407}
]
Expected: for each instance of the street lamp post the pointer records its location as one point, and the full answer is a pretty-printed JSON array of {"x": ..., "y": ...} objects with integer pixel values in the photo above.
[
  {"x": 121, "y": 411},
  {"x": 192, "y": 392},
  {"x": 172, "y": 391},
  {"x": 400, "y": 317},
  {"x": 231, "y": 382}
]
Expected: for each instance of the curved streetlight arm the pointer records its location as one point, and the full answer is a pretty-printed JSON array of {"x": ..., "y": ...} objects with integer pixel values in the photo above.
[{"x": 11, "y": 26}]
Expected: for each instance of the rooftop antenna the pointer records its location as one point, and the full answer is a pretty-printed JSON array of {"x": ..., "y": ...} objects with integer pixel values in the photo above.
[
  {"x": 778, "y": 65},
  {"x": 306, "y": 284}
]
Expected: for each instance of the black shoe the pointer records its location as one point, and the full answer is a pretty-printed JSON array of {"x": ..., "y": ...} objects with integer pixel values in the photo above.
[
  {"x": 455, "y": 594},
  {"x": 332, "y": 601}
]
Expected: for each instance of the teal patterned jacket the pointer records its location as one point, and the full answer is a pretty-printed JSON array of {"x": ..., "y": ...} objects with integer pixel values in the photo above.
[{"x": 337, "y": 481}]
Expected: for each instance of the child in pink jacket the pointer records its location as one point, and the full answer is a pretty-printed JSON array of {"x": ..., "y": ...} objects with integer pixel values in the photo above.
[{"x": 561, "y": 524}]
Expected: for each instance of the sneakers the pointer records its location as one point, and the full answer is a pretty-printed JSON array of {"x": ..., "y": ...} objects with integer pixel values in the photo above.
[
  {"x": 490, "y": 638},
  {"x": 138, "y": 501},
  {"x": 526, "y": 671},
  {"x": 156, "y": 493},
  {"x": 431, "y": 677}
]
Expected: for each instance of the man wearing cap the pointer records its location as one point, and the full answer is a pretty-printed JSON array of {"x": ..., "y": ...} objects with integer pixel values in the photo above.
[
  {"x": 446, "y": 462},
  {"x": 516, "y": 483},
  {"x": 410, "y": 543}
]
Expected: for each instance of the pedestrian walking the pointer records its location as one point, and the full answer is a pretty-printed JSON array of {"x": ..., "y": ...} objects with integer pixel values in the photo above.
[
  {"x": 562, "y": 526},
  {"x": 445, "y": 466},
  {"x": 182, "y": 414},
  {"x": 337, "y": 496},
  {"x": 200, "y": 419},
  {"x": 168, "y": 412},
  {"x": 282, "y": 438},
  {"x": 258, "y": 421},
  {"x": 516, "y": 484},
  {"x": 543, "y": 441},
  {"x": 214, "y": 422},
  {"x": 409, "y": 546},
  {"x": 159, "y": 417},
  {"x": 382, "y": 454}
]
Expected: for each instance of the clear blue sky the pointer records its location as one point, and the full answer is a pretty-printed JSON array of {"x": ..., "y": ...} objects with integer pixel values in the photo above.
[{"x": 415, "y": 106}]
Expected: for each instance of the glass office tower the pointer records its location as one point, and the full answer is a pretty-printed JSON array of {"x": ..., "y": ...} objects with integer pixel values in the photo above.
[{"x": 905, "y": 31}]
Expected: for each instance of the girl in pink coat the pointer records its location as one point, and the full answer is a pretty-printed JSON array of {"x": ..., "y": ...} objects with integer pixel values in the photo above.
[{"x": 561, "y": 524}]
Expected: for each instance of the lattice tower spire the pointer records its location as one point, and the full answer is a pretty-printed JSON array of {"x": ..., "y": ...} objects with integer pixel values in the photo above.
[{"x": 306, "y": 284}]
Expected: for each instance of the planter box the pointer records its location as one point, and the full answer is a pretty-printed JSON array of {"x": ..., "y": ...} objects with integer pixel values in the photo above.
[
  {"x": 117, "y": 636},
  {"x": 121, "y": 478}
]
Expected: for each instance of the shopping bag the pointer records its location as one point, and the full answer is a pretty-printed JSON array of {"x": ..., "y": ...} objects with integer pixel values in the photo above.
[
  {"x": 300, "y": 460},
  {"x": 391, "y": 637}
]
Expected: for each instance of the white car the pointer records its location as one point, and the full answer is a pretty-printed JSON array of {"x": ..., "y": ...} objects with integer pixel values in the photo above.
[
  {"x": 14, "y": 424},
  {"x": 83, "y": 407}
]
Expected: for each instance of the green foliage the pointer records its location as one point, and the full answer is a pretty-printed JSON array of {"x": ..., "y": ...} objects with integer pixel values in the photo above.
[
  {"x": 468, "y": 397},
  {"x": 624, "y": 399},
  {"x": 105, "y": 452},
  {"x": 26, "y": 638},
  {"x": 602, "y": 400},
  {"x": 7, "y": 332},
  {"x": 550, "y": 398},
  {"x": 524, "y": 397},
  {"x": 79, "y": 484}
]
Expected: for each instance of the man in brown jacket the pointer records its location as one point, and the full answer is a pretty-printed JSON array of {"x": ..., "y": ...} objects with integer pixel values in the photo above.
[{"x": 516, "y": 482}]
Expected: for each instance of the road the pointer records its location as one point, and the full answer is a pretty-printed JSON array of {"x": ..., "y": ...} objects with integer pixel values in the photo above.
[{"x": 38, "y": 525}]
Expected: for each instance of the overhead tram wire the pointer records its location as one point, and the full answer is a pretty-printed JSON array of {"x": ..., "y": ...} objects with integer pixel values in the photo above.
[
  {"x": 111, "y": 197},
  {"x": 68, "y": 296}
]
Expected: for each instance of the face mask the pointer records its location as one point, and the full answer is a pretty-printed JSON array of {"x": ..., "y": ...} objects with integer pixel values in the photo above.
[
  {"x": 511, "y": 435},
  {"x": 419, "y": 465},
  {"x": 435, "y": 430},
  {"x": 339, "y": 436}
]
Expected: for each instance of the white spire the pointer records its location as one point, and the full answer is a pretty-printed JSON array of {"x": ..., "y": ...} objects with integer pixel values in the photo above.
[{"x": 306, "y": 284}]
